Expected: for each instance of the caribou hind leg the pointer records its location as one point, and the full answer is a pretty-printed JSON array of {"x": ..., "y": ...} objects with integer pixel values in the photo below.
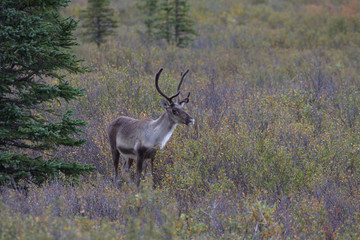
[{"x": 116, "y": 158}]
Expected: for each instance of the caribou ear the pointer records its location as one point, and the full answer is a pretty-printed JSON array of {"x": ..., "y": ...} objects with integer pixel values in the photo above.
[{"x": 165, "y": 104}]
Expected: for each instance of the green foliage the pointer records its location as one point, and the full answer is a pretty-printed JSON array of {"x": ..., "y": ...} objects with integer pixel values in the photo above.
[
  {"x": 165, "y": 21},
  {"x": 15, "y": 167},
  {"x": 183, "y": 24},
  {"x": 149, "y": 8},
  {"x": 35, "y": 42},
  {"x": 98, "y": 21},
  {"x": 168, "y": 20}
]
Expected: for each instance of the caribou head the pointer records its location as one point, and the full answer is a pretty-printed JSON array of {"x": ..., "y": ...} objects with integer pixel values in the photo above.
[{"x": 175, "y": 110}]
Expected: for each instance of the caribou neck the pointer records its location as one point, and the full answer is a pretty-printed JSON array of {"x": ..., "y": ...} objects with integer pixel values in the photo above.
[{"x": 164, "y": 127}]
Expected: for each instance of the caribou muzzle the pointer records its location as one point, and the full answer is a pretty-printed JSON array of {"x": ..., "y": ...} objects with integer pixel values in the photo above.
[{"x": 190, "y": 122}]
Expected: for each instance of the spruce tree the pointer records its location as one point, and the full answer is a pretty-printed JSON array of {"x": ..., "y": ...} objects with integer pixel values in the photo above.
[
  {"x": 98, "y": 21},
  {"x": 183, "y": 25},
  {"x": 173, "y": 22},
  {"x": 149, "y": 9},
  {"x": 165, "y": 21},
  {"x": 35, "y": 42}
]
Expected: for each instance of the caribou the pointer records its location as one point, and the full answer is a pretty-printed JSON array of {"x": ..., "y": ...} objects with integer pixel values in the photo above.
[{"x": 140, "y": 139}]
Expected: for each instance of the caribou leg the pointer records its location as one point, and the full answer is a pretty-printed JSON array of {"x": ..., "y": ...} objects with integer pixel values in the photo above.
[
  {"x": 130, "y": 163},
  {"x": 126, "y": 168},
  {"x": 154, "y": 174},
  {"x": 127, "y": 165},
  {"x": 140, "y": 156},
  {"x": 116, "y": 158}
]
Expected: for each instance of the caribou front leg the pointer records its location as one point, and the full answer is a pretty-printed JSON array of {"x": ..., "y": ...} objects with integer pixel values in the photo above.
[
  {"x": 151, "y": 154},
  {"x": 126, "y": 168},
  {"x": 140, "y": 156},
  {"x": 154, "y": 174}
]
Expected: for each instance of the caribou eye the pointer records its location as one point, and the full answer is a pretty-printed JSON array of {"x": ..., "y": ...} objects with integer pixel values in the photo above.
[{"x": 174, "y": 111}]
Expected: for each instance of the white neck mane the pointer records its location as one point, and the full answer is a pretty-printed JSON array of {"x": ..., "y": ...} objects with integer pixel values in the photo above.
[
  {"x": 163, "y": 127},
  {"x": 167, "y": 136}
]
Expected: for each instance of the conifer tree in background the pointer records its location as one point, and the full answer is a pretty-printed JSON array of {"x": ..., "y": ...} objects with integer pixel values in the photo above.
[
  {"x": 169, "y": 20},
  {"x": 165, "y": 21},
  {"x": 183, "y": 25},
  {"x": 149, "y": 8},
  {"x": 35, "y": 44},
  {"x": 98, "y": 21}
]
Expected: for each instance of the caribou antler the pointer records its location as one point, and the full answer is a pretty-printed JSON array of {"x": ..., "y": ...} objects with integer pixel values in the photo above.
[
  {"x": 186, "y": 100},
  {"x": 182, "y": 79},
  {"x": 158, "y": 89}
]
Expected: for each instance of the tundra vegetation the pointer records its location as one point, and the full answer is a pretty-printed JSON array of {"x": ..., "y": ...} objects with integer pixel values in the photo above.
[{"x": 275, "y": 149}]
